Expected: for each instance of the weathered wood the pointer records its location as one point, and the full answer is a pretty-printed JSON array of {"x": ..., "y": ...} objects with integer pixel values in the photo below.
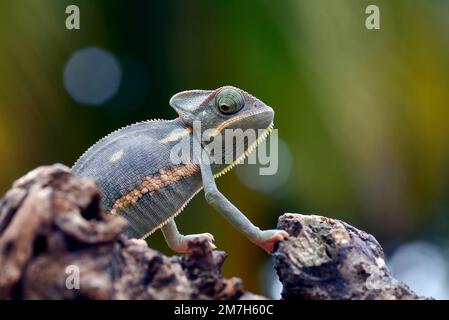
[{"x": 329, "y": 259}]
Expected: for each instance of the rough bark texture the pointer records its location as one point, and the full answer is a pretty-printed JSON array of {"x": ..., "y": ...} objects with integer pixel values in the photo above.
[
  {"x": 329, "y": 259},
  {"x": 51, "y": 226}
]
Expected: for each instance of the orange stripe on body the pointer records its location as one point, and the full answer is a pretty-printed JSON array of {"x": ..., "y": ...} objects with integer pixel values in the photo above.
[{"x": 154, "y": 183}]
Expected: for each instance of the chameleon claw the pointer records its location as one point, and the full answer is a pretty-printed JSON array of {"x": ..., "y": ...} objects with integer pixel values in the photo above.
[
  {"x": 209, "y": 236},
  {"x": 139, "y": 242},
  {"x": 269, "y": 238},
  {"x": 201, "y": 236},
  {"x": 212, "y": 246},
  {"x": 210, "y": 239}
]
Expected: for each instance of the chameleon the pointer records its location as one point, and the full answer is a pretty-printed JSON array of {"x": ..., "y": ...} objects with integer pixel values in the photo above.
[{"x": 134, "y": 170}]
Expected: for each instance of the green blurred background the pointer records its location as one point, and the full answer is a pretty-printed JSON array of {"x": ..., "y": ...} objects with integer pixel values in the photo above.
[{"x": 362, "y": 114}]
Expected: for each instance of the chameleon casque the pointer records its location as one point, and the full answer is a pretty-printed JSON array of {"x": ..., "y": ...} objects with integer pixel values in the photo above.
[{"x": 139, "y": 182}]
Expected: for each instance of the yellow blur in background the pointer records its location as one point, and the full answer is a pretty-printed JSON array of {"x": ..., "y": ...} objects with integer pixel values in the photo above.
[{"x": 362, "y": 114}]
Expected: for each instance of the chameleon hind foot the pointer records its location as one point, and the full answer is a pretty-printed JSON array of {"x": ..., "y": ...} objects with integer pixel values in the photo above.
[
  {"x": 180, "y": 243},
  {"x": 139, "y": 242},
  {"x": 268, "y": 239},
  {"x": 183, "y": 244},
  {"x": 201, "y": 236}
]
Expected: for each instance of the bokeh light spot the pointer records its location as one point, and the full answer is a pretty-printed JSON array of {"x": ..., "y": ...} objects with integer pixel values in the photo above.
[
  {"x": 92, "y": 76},
  {"x": 422, "y": 266}
]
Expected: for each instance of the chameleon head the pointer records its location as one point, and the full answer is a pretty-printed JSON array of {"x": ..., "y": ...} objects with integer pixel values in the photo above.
[{"x": 229, "y": 119}]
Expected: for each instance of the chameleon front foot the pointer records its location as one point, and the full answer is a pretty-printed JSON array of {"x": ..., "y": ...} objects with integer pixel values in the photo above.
[
  {"x": 183, "y": 245},
  {"x": 268, "y": 238}
]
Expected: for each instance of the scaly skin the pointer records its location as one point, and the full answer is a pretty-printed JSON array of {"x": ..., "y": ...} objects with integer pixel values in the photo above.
[{"x": 134, "y": 168}]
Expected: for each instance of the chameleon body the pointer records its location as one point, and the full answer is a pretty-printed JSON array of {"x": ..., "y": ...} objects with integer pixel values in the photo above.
[{"x": 135, "y": 171}]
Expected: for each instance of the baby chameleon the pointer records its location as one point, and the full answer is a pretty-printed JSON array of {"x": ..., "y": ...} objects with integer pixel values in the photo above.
[{"x": 134, "y": 169}]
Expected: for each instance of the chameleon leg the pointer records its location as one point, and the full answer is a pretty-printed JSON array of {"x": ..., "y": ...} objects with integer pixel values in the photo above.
[
  {"x": 178, "y": 242},
  {"x": 265, "y": 239}
]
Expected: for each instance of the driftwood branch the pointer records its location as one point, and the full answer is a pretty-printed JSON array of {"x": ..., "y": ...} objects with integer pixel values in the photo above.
[
  {"x": 329, "y": 259},
  {"x": 51, "y": 225}
]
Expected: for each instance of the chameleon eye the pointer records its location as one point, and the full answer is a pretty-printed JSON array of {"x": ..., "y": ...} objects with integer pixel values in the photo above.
[{"x": 229, "y": 101}]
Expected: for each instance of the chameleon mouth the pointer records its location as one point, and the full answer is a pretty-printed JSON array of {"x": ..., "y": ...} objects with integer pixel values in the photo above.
[{"x": 246, "y": 153}]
